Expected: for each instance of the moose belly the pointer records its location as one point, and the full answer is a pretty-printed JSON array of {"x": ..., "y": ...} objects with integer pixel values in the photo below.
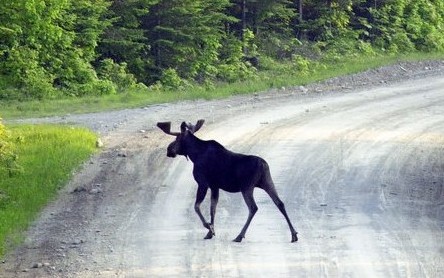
[{"x": 229, "y": 180}]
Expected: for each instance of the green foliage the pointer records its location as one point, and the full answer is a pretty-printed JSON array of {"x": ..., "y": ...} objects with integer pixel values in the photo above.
[
  {"x": 23, "y": 72},
  {"x": 55, "y": 48},
  {"x": 8, "y": 156},
  {"x": 232, "y": 67},
  {"x": 170, "y": 80},
  {"x": 262, "y": 17},
  {"x": 273, "y": 74},
  {"x": 403, "y": 26},
  {"x": 48, "y": 44},
  {"x": 325, "y": 20},
  {"x": 300, "y": 64},
  {"x": 186, "y": 36},
  {"x": 93, "y": 88},
  {"x": 117, "y": 74},
  {"x": 124, "y": 41}
]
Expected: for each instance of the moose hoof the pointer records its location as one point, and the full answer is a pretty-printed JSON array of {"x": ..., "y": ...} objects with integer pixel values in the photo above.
[
  {"x": 211, "y": 231},
  {"x": 209, "y": 235},
  {"x": 294, "y": 237},
  {"x": 238, "y": 238}
]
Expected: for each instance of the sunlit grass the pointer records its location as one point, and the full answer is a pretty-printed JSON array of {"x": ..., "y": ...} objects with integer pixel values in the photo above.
[{"x": 47, "y": 156}]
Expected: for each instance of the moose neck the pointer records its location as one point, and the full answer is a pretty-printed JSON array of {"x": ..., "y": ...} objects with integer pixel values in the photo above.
[{"x": 194, "y": 147}]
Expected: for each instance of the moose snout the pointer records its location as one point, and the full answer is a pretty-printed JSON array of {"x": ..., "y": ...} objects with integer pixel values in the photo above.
[{"x": 171, "y": 151}]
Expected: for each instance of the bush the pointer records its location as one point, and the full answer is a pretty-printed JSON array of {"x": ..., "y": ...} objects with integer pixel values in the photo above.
[
  {"x": 235, "y": 71},
  {"x": 96, "y": 88},
  {"x": 232, "y": 66},
  {"x": 116, "y": 73},
  {"x": 300, "y": 64},
  {"x": 170, "y": 80},
  {"x": 7, "y": 155},
  {"x": 22, "y": 71},
  {"x": 400, "y": 43}
]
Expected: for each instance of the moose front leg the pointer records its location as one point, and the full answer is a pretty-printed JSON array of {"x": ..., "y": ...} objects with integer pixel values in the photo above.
[{"x": 200, "y": 196}]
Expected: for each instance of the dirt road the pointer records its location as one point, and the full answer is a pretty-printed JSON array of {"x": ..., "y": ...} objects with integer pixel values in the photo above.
[{"x": 361, "y": 173}]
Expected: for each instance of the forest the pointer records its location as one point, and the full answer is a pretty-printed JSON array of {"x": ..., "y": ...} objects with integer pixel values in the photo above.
[{"x": 63, "y": 48}]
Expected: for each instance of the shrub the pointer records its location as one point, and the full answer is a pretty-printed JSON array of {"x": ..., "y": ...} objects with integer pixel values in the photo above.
[
  {"x": 7, "y": 155},
  {"x": 300, "y": 64},
  {"x": 171, "y": 80},
  {"x": 116, "y": 73},
  {"x": 232, "y": 66},
  {"x": 22, "y": 71},
  {"x": 96, "y": 88}
]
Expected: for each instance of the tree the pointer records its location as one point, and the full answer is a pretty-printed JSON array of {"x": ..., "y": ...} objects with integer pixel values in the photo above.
[
  {"x": 185, "y": 35},
  {"x": 269, "y": 21},
  {"x": 49, "y": 44},
  {"x": 61, "y": 47},
  {"x": 32, "y": 37},
  {"x": 424, "y": 24},
  {"x": 124, "y": 40},
  {"x": 85, "y": 21},
  {"x": 262, "y": 16}
]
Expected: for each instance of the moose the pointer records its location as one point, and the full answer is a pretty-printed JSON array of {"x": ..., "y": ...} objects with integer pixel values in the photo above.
[{"x": 216, "y": 168}]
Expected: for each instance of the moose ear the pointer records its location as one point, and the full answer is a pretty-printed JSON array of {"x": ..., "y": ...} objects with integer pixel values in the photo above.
[
  {"x": 166, "y": 127},
  {"x": 183, "y": 127}
]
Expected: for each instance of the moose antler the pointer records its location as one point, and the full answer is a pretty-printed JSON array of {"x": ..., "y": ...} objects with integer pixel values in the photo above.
[{"x": 166, "y": 127}]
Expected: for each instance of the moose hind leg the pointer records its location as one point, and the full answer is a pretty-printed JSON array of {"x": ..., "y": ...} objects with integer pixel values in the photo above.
[
  {"x": 252, "y": 208},
  {"x": 273, "y": 194}
]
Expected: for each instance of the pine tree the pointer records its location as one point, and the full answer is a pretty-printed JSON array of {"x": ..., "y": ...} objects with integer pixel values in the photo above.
[
  {"x": 185, "y": 35},
  {"x": 262, "y": 16},
  {"x": 124, "y": 40}
]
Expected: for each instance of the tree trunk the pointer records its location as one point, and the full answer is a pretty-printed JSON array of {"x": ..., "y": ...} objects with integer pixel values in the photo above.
[
  {"x": 301, "y": 33},
  {"x": 301, "y": 12},
  {"x": 244, "y": 22}
]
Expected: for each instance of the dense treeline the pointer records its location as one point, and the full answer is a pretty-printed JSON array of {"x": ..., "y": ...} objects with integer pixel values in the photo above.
[{"x": 50, "y": 48}]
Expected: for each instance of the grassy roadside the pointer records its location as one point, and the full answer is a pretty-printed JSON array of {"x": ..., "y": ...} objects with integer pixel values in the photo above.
[
  {"x": 274, "y": 77},
  {"x": 47, "y": 155}
]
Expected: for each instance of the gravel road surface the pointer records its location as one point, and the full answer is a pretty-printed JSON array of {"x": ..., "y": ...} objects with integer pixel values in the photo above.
[{"x": 357, "y": 160}]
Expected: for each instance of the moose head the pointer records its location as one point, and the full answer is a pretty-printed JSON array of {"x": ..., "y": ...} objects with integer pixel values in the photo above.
[{"x": 178, "y": 146}]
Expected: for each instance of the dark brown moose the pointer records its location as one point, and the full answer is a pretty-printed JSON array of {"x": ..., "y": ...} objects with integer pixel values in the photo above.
[{"x": 218, "y": 168}]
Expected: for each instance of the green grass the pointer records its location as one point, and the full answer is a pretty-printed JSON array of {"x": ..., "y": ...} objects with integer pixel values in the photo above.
[
  {"x": 47, "y": 154},
  {"x": 275, "y": 77}
]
